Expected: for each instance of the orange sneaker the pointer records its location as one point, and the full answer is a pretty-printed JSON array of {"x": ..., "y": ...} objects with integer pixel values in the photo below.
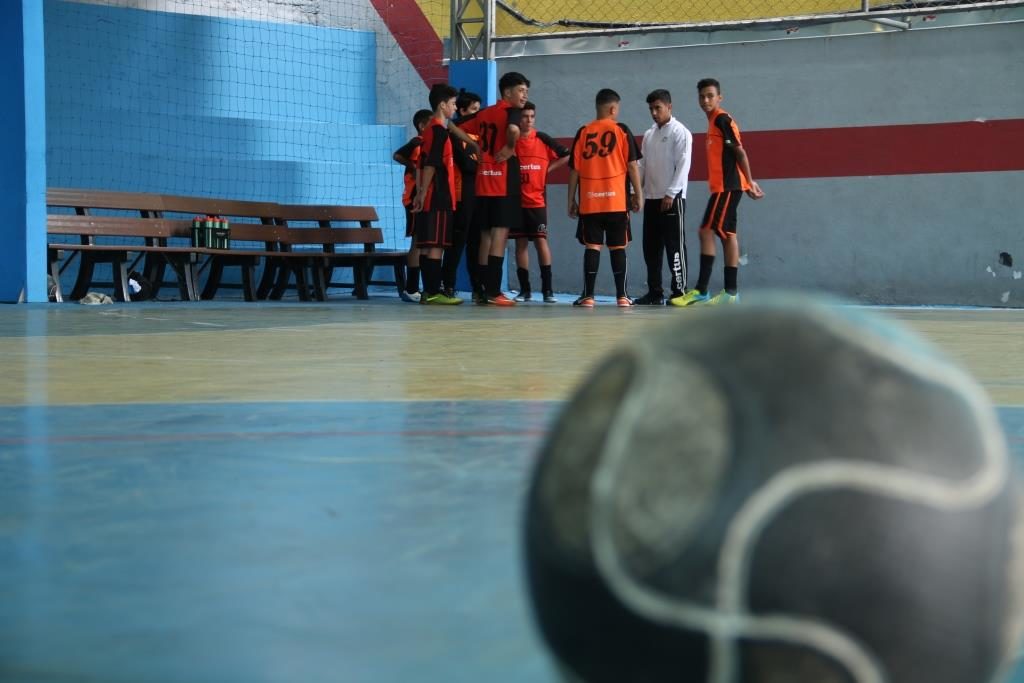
[
  {"x": 500, "y": 300},
  {"x": 584, "y": 301}
]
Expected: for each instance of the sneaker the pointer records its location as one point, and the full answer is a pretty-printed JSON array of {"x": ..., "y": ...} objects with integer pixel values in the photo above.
[
  {"x": 724, "y": 297},
  {"x": 690, "y": 298},
  {"x": 409, "y": 297},
  {"x": 479, "y": 298},
  {"x": 650, "y": 299},
  {"x": 584, "y": 301},
  {"x": 673, "y": 297},
  {"x": 624, "y": 302},
  {"x": 449, "y": 292},
  {"x": 524, "y": 296},
  {"x": 441, "y": 299},
  {"x": 549, "y": 298},
  {"x": 500, "y": 300}
]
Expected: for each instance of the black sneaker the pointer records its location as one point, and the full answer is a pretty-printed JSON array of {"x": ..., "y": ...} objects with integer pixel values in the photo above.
[{"x": 650, "y": 299}]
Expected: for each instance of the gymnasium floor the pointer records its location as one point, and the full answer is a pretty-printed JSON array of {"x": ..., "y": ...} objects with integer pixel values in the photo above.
[{"x": 303, "y": 492}]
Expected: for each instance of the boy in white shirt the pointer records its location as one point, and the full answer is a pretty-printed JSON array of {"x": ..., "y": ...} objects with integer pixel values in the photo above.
[{"x": 666, "y": 152}]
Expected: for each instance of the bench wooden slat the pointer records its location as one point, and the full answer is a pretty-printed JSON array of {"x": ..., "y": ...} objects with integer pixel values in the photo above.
[
  {"x": 220, "y": 207},
  {"x": 324, "y": 236},
  {"x": 116, "y": 226},
  {"x": 102, "y": 199},
  {"x": 353, "y": 214}
]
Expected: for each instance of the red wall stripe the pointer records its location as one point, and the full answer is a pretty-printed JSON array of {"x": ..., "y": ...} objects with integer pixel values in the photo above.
[
  {"x": 911, "y": 149},
  {"x": 415, "y": 36}
]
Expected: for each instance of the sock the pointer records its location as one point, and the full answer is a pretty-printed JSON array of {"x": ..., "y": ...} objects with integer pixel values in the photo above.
[
  {"x": 524, "y": 280},
  {"x": 431, "y": 275},
  {"x": 618, "y": 259},
  {"x": 545, "y": 279},
  {"x": 591, "y": 262},
  {"x": 494, "y": 266},
  {"x": 730, "y": 279},
  {"x": 412, "y": 279},
  {"x": 706, "y": 262}
]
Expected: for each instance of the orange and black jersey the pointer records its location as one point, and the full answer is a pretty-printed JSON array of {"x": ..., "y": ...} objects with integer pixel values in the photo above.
[
  {"x": 723, "y": 138},
  {"x": 601, "y": 153},
  {"x": 494, "y": 179},
  {"x": 411, "y": 151},
  {"x": 437, "y": 154},
  {"x": 536, "y": 151}
]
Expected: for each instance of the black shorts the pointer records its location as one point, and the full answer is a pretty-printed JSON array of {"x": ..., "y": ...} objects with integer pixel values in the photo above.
[
  {"x": 434, "y": 228},
  {"x": 610, "y": 228},
  {"x": 535, "y": 224},
  {"x": 720, "y": 216},
  {"x": 498, "y": 212},
  {"x": 465, "y": 213},
  {"x": 410, "y": 221}
]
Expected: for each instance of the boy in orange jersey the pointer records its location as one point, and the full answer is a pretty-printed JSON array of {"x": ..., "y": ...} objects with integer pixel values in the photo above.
[
  {"x": 434, "y": 202},
  {"x": 538, "y": 155},
  {"x": 499, "y": 205},
  {"x": 604, "y": 155},
  {"x": 729, "y": 177},
  {"x": 408, "y": 155},
  {"x": 466, "y": 235}
]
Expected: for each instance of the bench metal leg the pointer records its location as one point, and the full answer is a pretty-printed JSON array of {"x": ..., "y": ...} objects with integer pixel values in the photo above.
[
  {"x": 122, "y": 291},
  {"x": 84, "y": 279},
  {"x": 267, "y": 279},
  {"x": 320, "y": 280},
  {"x": 249, "y": 282},
  {"x": 58, "y": 294},
  {"x": 359, "y": 278},
  {"x": 283, "y": 276},
  {"x": 213, "y": 279}
]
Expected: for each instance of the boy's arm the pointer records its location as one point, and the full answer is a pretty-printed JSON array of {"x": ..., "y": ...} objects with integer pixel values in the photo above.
[
  {"x": 637, "y": 198},
  {"x": 424, "y": 177},
  {"x": 561, "y": 151},
  {"x": 464, "y": 136},
  {"x": 755, "y": 191},
  {"x": 403, "y": 155},
  {"x": 574, "y": 181},
  {"x": 509, "y": 150},
  {"x": 557, "y": 164}
]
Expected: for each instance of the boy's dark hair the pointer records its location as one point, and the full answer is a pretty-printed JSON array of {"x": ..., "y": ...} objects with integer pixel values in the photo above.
[
  {"x": 511, "y": 80},
  {"x": 466, "y": 99},
  {"x": 707, "y": 82},
  {"x": 421, "y": 117},
  {"x": 530, "y": 105},
  {"x": 606, "y": 96},
  {"x": 440, "y": 92},
  {"x": 659, "y": 95}
]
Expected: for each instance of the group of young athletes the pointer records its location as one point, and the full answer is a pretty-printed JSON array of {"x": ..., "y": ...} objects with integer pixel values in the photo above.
[{"x": 477, "y": 177}]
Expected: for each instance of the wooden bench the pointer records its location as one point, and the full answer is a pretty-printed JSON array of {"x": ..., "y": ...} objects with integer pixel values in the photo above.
[
  {"x": 328, "y": 235},
  {"x": 78, "y": 233},
  {"x": 307, "y": 254}
]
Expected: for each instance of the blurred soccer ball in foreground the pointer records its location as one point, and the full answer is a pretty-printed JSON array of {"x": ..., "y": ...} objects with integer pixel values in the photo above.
[{"x": 786, "y": 492}]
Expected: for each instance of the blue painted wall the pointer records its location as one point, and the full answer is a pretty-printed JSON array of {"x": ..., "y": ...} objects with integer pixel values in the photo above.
[
  {"x": 22, "y": 153},
  {"x": 184, "y": 104}
]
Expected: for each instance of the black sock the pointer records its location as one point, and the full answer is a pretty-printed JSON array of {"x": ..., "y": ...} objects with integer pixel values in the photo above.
[
  {"x": 545, "y": 279},
  {"x": 730, "y": 279},
  {"x": 618, "y": 259},
  {"x": 706, "y": 262},
  {"x": 524, "y": 280},
  {"x": 412, "y": 279},
  {"x": 431, "y": 275},
  {"x": 482, "y": 278},
  {"x": 494, "y": 266},
  {"x": 591, "y": 262}
]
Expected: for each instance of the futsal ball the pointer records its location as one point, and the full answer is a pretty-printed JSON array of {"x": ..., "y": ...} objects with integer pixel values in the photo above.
[{"x": 789, "y": 492}]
